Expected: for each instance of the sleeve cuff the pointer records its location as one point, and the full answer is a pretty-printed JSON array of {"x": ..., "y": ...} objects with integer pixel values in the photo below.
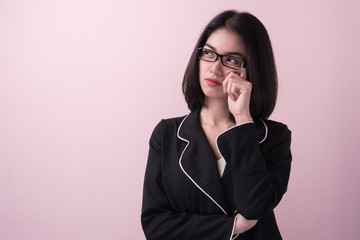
[{"x": 232, "y": 233}]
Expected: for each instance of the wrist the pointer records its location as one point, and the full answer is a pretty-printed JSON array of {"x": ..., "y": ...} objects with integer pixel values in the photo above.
[
  {"x": 242, "y": 224},
  {"x": 242, "y": 119}
]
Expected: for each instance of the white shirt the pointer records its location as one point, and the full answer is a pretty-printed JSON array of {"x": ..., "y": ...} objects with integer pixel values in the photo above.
[{"x": 221, "y": 166}]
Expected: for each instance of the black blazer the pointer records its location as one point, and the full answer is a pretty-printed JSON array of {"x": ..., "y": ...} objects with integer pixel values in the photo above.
[{"x": 185, "y": 198}]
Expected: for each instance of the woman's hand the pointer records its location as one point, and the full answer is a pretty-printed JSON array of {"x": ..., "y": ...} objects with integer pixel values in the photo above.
[
  {"x": 239, "y": 92},
  {"x": 242, "y": 224}
]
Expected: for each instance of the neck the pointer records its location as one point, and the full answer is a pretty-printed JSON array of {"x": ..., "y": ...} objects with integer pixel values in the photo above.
[{"x": 216, "y": 113}]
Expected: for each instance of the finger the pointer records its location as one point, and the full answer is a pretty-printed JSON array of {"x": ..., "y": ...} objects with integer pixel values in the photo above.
[
  {"x": 233, "y": 97},
  {"x": 224, "y": 84},
  {"x": 235, "y": 90},
  {"x": 243, "y": 73},
  {"x": 229, "y": 85},
  {"x": 236, "y": 72}
]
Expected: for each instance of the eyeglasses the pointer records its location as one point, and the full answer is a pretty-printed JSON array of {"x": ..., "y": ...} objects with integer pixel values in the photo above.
[{"x": 226, "y": 60}]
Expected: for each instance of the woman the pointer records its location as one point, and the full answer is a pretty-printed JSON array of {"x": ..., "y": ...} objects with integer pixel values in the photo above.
[{"x": 219, "y": 172}]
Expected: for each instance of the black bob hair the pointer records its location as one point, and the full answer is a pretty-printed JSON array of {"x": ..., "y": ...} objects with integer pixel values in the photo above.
[{"x": 260, "y": 63}]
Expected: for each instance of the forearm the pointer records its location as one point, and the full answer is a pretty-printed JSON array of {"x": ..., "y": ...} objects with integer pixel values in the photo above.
[
  {"x": 176, "y": 226},
  {"x": 259, "y": 173}
]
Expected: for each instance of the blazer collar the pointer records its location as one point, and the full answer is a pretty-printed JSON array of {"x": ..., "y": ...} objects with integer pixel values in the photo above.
[
  {"x": 190, "y": 127},
  {"x": 198, "y": 160}
]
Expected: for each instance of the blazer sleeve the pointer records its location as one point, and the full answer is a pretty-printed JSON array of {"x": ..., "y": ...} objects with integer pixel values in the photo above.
[
  {"x": 260, "y": 172},
  {"x": 160, "y": 222}
]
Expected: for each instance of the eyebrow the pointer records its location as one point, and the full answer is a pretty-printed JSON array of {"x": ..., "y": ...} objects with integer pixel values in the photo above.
[{"x": 226, "y": 53}]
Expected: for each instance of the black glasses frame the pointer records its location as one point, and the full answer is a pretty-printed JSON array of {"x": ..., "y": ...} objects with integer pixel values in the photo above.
[{"x": 200, "y": 49}]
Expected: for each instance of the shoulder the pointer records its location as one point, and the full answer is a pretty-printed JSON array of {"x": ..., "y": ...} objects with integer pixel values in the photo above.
[
  {"x": 167, "y": 125},
  {"x": 172, "y": 122},
  {"x": 165, "y": 131}
]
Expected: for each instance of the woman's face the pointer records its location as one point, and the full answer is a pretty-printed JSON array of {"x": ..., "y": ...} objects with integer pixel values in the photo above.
[{"x": 212, "y": 74}]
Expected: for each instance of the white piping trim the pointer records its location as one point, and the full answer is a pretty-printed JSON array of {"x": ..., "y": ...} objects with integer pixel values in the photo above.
[
  {"x": 232, "y": 235},
  {"x": 266, "y": 131},
  {"x": 236, "y": 236},
  {"x": 217, "y": 146},
  {"x": 188, "y": 142},
  {"x": 232, "y": 232}
]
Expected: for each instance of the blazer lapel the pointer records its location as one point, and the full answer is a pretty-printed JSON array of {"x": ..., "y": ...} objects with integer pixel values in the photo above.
[{"x": 198, "y": 161}]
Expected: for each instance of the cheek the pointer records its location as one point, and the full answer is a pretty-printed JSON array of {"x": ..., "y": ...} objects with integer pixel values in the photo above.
[{"x": 202, "y": 69}]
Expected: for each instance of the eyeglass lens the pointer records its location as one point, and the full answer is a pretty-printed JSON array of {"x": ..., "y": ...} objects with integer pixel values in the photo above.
[{"x": 226, "y": 60}]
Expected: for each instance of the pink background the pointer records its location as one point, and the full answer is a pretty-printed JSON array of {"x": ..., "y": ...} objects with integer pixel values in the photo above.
[{"x": 83, "y": 83}]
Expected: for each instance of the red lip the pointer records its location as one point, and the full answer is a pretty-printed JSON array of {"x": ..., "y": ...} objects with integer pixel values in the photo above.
[{"x": 212, "y": 82}]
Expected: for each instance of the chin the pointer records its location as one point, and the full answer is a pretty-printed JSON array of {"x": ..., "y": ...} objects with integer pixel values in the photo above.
[{"x": 216, "y": 95}]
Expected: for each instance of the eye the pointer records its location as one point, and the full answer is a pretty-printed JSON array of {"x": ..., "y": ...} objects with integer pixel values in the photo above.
[
  {"x": 208, "y": 52},
  {"x": 233, "y": 61}
]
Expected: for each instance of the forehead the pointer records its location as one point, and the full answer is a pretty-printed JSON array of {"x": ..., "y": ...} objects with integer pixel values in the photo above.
[{"x": 224, "y": 41}]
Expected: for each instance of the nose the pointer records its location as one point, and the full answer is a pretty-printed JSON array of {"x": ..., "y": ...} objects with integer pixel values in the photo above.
[{"x": 216, "y": 67}]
